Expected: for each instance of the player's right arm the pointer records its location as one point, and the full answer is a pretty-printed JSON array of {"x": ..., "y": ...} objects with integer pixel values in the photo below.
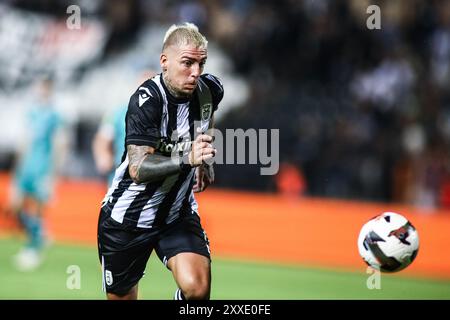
[{"x": 146, "y": 166}]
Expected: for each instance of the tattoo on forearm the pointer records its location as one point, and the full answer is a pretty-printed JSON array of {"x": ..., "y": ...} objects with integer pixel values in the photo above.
[
  {"x": 146, "y": 166},
  {"x": 136, "y": 154}
]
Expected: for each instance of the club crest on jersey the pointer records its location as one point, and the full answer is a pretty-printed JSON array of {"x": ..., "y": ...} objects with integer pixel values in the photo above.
[{"x": 206, "y": 111}]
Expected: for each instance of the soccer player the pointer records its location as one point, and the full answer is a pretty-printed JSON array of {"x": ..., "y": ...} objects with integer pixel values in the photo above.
[
  {"x": 33, "y": 175},
  {"x": 150, "y": 204}
]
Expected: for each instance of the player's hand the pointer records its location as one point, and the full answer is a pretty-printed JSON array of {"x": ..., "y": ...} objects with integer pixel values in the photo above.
[
  {"x": 204, "y": 176},
  {"x": 202, "y": 150}
]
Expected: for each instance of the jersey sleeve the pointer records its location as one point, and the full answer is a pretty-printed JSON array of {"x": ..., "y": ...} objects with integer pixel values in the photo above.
[
  {"x": 143, "y": 119},
  {"x": 216, "y": 88}
]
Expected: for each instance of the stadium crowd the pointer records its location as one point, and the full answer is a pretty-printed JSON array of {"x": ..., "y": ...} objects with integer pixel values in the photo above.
[{"x": 363, "y": 114}]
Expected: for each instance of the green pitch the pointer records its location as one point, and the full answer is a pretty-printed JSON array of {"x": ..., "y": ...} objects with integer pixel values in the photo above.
[{"x": 231, "y": 280}]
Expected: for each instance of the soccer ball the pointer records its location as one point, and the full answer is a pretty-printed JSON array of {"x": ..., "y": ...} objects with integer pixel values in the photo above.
[{"x": 388, "y": 242}]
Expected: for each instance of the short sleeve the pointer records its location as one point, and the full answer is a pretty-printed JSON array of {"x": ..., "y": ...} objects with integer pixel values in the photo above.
[
  {"x": 216, "y": 88},
  {"x": 143, "y": 119}
]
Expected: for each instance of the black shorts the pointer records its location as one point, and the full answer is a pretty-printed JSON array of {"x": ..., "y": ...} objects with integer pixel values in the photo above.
[{"x": 124, "y": 252}]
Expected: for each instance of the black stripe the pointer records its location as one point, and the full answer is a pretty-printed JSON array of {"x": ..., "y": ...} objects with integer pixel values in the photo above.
[
  {"x": 121, "y": 188},
  {"x": 152, "y": 84},
  {"x": 172, "y": 123},
  {"x": 133, "y": 212},
  {"x": 194, "y": 115},
  {"x": 167, "y": 203},
  {"x": 186, "y": 206}
]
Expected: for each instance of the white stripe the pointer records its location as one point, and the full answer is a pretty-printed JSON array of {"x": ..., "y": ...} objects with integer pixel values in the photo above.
[
  {"x": 165, "y": 117},
  {"x": 118, "y": 176},
  {"x": 103, "y": 274},
  {"x": 183, "y": 120},
  {"x": 174, "y": 210},
  {"x": 151, "y": 207},
  {"x": 125, "y": 201}
]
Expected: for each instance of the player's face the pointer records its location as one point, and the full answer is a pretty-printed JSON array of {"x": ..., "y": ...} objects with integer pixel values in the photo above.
[{"x": 184, "y": 65}]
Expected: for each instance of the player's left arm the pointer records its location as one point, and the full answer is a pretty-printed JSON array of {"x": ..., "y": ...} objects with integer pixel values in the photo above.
[
  {"x": 209, "y": 168},
  {"x": 204, "y": 174}
]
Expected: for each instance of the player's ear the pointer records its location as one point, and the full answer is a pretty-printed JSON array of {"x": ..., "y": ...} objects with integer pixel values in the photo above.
[{"x": 163, "y": 61}]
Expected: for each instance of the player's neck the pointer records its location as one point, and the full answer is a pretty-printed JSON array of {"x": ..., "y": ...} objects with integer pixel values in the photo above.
[{"x": 176, "y": 94}]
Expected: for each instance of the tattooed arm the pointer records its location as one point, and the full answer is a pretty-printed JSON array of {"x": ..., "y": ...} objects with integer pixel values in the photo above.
[{"x": 147, "y": 166}]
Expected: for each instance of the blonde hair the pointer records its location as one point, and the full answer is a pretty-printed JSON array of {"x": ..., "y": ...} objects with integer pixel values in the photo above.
[{"x": 183, "y": 34}]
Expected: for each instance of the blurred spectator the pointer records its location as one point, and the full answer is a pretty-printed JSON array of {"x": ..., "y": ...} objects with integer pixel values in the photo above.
[
  {"x": 290, "y": 181},
  {"x": 366, "y": 113},
  {"x": 34, "y": 175}
]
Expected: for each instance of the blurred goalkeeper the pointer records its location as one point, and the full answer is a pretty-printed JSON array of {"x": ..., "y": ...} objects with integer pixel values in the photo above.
[
  {"x": 34, "y": 173},
  {"x": 150, "y": 203}
]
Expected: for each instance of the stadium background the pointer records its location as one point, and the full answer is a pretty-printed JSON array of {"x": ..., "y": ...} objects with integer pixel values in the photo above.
[{"x": 364, "y": 119}]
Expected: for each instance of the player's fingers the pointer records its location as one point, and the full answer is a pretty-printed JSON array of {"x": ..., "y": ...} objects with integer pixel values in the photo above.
[
  {"x": 208, "y": 156},
  {"x": 205, "y": 145},
  {"x": 206, "y": 151},
  {"x": 204, "y": 138},
  {"x": 201, "y": 145},
  {"x": 199, "y": 138}
]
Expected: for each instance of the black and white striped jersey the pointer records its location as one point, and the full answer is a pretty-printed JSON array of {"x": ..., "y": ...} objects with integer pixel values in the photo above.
[{"x": 158, "y": 119}]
